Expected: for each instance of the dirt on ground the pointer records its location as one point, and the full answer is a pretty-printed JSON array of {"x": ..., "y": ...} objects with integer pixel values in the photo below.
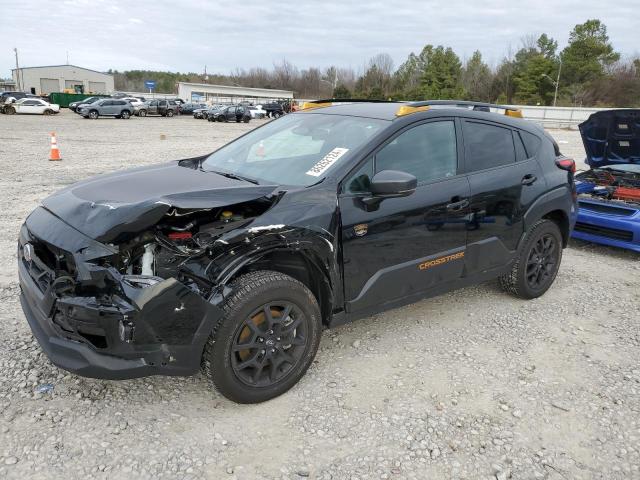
[{"x": 471, "y": 384}]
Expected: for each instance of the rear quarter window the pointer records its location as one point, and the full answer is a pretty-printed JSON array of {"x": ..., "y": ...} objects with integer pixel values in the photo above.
[{"x": 531, "y": 143}]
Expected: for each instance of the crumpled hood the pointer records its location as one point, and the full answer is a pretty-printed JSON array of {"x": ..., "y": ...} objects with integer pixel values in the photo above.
[
  {"x": 110, "y": 207},
  {"x": 612, "y": 137}
]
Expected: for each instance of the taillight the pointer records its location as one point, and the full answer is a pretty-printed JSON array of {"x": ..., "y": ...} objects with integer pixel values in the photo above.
[{"x": 567, "y": 164}]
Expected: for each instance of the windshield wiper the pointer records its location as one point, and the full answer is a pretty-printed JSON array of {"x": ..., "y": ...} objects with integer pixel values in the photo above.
[{"x": 235, "y": 176}]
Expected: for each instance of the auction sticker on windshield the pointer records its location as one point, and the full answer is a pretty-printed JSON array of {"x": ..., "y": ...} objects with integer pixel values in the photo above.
[{"x": 329, "y": 159}]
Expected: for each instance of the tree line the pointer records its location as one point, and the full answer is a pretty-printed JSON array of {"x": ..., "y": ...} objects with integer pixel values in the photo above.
[{"x": 587, "y": 72}]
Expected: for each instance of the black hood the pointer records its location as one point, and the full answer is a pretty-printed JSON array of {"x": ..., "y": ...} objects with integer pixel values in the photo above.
[
  {"x": 612, "y": 137},
  {"x": 110, "y": 207}
]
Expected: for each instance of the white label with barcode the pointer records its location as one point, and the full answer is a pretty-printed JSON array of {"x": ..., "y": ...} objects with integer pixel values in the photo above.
[{"x": 327, "y": 161}]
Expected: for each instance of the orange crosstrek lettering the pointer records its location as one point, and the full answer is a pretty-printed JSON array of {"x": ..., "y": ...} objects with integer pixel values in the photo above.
[{"x": 440, "y": 261}]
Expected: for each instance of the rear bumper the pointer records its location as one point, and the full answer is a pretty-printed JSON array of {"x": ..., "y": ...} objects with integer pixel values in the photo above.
[{"x": 622, "y": 231}]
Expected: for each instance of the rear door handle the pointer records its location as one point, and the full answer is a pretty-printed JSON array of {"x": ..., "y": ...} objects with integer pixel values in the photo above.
[
  {"x": 458, "y": 205},
  {"x": 529, "y": 179}
]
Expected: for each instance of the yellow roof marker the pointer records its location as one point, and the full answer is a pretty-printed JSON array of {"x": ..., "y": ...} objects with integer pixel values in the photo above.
[
  {"x": 408, "y": 109},
  {"x": 312, "y": 105},
  {"x": 515, "y": 113}
]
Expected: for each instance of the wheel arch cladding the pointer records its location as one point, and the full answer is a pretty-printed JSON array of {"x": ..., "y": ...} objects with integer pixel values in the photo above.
[
  {"x": 301, "y": 265},
  {"x": 556, "y": 206},
  {"x": 560, "y": 218}
]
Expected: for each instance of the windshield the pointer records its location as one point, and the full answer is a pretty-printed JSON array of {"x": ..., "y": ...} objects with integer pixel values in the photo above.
[{"x": 297, "y": 149}]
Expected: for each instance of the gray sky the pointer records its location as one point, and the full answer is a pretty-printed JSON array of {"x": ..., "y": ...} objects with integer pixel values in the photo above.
[{"x": 187, "y": 34}]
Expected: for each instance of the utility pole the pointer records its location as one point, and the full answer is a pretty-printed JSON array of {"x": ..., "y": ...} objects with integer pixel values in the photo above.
[
  {"x": 17, "y": 71},
  {"x": 557, "y": 82}
]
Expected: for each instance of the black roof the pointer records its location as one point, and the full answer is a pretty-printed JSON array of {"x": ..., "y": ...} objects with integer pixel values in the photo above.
[{"x": 387, "y": 111}]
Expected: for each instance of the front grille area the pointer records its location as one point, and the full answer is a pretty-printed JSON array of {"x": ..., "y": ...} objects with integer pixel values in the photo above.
[
  {"x": 608, "y": 232},
  {"x": 47, "y": 264},
  {"x": 610, "y": 209}
]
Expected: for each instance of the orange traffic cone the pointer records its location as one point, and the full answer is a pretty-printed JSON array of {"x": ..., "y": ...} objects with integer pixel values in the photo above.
[{"x": 54, "y": 154}]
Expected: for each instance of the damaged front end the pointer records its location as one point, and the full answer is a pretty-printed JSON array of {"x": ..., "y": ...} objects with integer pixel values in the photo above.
[{"x": 135, "y": 296}]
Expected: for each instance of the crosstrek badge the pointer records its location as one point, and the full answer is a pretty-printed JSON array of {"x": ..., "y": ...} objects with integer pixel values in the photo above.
[{"x": 329, "y": 159}]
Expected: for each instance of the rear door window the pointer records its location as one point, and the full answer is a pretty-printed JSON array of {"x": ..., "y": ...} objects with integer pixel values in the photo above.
[{"x": 487, "y": 146}]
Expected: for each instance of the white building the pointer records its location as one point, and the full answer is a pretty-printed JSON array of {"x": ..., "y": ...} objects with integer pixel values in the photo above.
[
  {"x": 58, "y": 78},
  {"x": 203, "y": 92}
]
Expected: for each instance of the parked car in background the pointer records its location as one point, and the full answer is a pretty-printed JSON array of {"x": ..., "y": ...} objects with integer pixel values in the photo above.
[
  {"x": 188, "y": 108},
  {"x": 232, "y": 113},
  {"x": 34, "y": 106},
  {"x": 10, "y": 97},
  {"x": 200, "y": 112},
  {"x": 212, "y": 111},
  {"x": 74, "y": 105},
  {"x": 164, "y": 108},
  {"x": 107, "y": 107},
  {"x": 273, "y": 109},
  {"x": 609, "y": 192},
  {"x": 257, "y": 111},
  {"x": 135, "y": 102}
]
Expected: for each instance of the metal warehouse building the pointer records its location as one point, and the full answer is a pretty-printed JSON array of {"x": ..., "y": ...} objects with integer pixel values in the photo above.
[
  {"x": 58, "y": 78},
  {"x": 203, "y": 92}
]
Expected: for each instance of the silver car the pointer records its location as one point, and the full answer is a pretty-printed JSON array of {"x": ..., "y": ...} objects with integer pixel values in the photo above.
[{"x": 108, "y": 107}]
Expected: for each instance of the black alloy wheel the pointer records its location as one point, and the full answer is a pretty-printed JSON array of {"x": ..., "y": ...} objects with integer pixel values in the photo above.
[
  {"x": 269, "y": 343},
  {"x": 542, "y": 261},
  {"x": 537, "y": 262},
  {"x": 266, "y": 339}
]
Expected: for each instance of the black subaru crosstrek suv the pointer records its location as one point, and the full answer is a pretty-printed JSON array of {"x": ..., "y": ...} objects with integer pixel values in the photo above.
[{"x": 234, "y": 261}]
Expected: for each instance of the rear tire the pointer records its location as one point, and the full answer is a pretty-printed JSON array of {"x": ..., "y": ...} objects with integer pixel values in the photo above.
[
  {"x": 169, "y": 113},
  {"x": 278, "y": 319},
  {"x": 125, "y": 114},
  {"x": 537, "y": 263}
]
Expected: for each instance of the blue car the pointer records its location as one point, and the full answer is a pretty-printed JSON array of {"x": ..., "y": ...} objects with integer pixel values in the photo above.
[{"x": 609, "y": 192}]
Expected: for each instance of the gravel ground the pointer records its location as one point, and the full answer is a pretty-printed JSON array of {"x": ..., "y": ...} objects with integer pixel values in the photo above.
[{"x": 472, "y": 384}]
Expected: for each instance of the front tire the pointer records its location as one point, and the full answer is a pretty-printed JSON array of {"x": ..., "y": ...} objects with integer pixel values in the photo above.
[
  {"x": 266, "y": 340},
  {"x": 93, "y": 114},
  {"x": 537, "y": 263},
  {"x": 142, "y": 113}
]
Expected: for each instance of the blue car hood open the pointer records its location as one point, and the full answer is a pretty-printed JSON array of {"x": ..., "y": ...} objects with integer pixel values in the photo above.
[{"x": 612, "y": 137}]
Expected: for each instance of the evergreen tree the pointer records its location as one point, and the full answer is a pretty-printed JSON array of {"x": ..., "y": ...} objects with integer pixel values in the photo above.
[{"x": 588, "y": 53}]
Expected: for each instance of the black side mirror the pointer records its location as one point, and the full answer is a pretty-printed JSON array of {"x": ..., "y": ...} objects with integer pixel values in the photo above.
[
  {"x": 393, "y": 183},
  {"x": 388, "y": 184}
]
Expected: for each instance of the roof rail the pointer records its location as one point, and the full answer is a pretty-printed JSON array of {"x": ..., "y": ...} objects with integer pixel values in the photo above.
[
  {"x": 330, "y": 101},
  {"x": 477, "y": 106},
  {"x": 407, "y": 108}
]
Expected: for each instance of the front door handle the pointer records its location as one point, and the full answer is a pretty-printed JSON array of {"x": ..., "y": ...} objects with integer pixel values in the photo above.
[
  {"x": 529, "y": 179},
  {"x": 457, "y": 204}
]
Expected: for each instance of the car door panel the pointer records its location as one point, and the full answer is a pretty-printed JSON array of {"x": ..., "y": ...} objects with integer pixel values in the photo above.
[
  {"x": 403, "y": 246},
  {"x": 407, "y": 246},
  {"x": 500, "y": 197}
]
